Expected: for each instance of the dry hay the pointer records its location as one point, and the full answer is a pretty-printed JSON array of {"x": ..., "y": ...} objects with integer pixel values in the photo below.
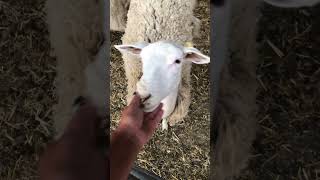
[
  {"x": 26, "y": 87},
  {"x": 288, "y": 146},
  {"x": 182, "y": 152}
]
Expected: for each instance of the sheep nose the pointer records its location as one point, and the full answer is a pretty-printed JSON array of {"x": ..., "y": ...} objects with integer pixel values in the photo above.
[{"x": 144, "y": 100}]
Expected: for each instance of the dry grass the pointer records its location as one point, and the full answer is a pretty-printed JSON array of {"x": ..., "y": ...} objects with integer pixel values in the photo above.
[
  {"x": 26, "y": 78},
  {"x": 288, "y": 146},
  {"x": 288, "y": 142},
  {"x": 182, "y": 152}
]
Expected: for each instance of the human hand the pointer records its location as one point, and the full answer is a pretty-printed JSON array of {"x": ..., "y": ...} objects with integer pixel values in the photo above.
[
  {"x": 138, "y": 125},
  {"x": 76, "y": 154}
]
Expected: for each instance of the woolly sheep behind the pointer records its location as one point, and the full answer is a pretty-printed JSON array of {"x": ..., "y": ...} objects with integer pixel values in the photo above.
[
  {"x": 119, "y": 10},
  {"x": 161, "y": 68},
  {"x": 236, "y": 123},
  {"x": 77, "y": 29},
  {"x": 118, "y": 14}
]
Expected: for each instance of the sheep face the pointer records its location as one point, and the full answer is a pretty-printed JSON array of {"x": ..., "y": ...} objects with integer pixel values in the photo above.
[{"x": 162, "y": 63}]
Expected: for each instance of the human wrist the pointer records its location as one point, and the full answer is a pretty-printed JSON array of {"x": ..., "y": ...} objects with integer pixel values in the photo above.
[
  {"x": 128, "y": 137},
  {"x": 123, "y": 152}
]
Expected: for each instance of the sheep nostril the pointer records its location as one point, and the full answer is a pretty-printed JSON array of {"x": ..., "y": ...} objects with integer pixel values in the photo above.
[{"x": 146, "y": 98}]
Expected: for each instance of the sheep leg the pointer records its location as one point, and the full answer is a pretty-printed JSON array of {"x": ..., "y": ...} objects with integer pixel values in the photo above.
[{"x": 164, "y": 124}]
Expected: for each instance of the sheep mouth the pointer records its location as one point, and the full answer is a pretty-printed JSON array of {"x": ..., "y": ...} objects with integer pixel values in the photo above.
[
  {"x": 143, "y": 100},
  {"x": 146, "y": 106}
]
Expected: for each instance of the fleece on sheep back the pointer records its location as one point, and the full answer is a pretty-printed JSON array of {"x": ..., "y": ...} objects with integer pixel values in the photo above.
[{"x": 75, "y": 31}]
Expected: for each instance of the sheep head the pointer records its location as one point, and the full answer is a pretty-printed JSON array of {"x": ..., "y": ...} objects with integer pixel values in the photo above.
[{"x": 162, "y": 64}]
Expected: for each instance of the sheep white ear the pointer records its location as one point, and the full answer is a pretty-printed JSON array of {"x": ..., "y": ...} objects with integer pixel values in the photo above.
[
  {"x": 195, "y": 56},
  {"x": 134, "y": 49}
]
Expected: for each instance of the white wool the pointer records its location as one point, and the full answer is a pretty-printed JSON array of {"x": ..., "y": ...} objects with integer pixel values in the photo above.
[
  {"x": 118, "y": 14},
  {"x": 76, "y": 30},
  {"x": 96, "y": 79}
]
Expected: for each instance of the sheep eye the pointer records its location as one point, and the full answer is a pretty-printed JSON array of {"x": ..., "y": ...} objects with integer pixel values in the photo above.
[{"x": 178, "y": 61}]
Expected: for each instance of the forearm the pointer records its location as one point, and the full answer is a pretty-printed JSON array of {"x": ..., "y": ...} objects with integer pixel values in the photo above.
[{"x": 124, "y": 151}]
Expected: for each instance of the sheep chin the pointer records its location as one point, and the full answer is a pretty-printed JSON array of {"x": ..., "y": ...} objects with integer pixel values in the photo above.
[{"x": 150, "y": 108}]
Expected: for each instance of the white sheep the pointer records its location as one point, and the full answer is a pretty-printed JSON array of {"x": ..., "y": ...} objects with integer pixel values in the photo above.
[
  {"x": 161, "y": 68},
  {"x": 77, "y": 30},
  {"x": 152, "y": 21},
  {"x": 235, "y": 122}
]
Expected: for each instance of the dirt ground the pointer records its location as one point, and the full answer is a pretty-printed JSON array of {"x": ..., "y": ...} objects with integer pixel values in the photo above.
[
  {"x": 287, "y": 146},
  {"x": 182, "y": 152},
  {"x": 26, "y": 87}
]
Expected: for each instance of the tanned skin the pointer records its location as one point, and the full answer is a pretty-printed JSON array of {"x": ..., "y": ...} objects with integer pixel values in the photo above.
[{"x": 77, "y": 156}]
